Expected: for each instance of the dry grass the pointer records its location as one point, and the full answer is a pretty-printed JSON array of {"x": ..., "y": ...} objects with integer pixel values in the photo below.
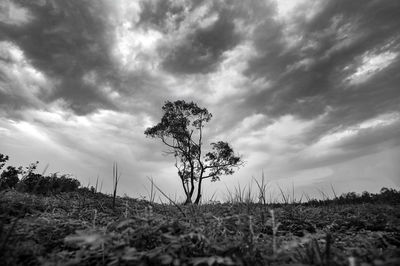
[{"x": 83, "y": 229}]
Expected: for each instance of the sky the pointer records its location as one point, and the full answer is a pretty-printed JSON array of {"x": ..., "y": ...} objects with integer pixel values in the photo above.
[{"x": 306, "y": 91}]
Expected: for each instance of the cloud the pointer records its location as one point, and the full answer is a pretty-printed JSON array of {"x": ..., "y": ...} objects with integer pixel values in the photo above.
[
  {"x": 13, "y": 14},
  {"x": 201, "y": 51},
  {"x": 371, "y": 64},
  {"x": 65, "y": 41},
  {"x": 20, "y": 83},
  {"x": 345, "y": 143},
  {"x": 85, "y": 146},
  {"x": 298, "y": 87},
  {"x": 161, "y": 14},
  {"x": 197, "y": 33},
  {"x": 338, "y": 43}
]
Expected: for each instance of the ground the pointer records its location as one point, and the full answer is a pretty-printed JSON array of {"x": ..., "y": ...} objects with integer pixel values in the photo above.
[{"x": 82, "y": 228}]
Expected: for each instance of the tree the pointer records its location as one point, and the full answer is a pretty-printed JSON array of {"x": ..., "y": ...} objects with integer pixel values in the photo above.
[{"x": 181, "y": 130}]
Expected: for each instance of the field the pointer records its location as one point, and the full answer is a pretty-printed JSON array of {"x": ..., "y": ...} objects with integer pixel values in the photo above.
[{"x": 82, "y": 228}]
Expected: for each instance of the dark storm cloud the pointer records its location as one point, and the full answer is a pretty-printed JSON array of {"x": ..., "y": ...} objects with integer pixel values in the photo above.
[
  {"x": 355, "y": 104},
  {"x": 66, "y": 40},
  {"x": 305, "y": 61},
  {"x": 202, "y": 50},
  {"x": 157, "y": 13},
  {"x": 312, "y": 74}
]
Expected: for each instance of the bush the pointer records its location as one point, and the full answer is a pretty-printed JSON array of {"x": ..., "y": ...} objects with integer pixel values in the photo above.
[
  {"x": 65, "y": 183},
  {"x": 9, "y": 177},
  {"x": 3, "y": 160},
  {"x": 47, "y": 185}
]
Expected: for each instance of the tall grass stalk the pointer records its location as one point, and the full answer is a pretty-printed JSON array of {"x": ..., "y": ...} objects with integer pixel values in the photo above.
[
  {"x": 262, "y": 189},
  {"x": 334, "y": 192},
  {"x": 229, "y": 196},
  {"x": 301, "y": 198},
  {"x": 284, "y": 197},
  {"x": 240, "y": 194},
  {"x": 97, "y": 182},
  {"x": 249, "y": 195},
  {"x": 45, "y": 169},
  {"x": 116, "y": 177},
  {"x": 308, "y": 198},
  {"x": 323, "y": 194},
  {"x": 166, "y": 196},
  {"x": 152, "y": 193},
  {"x": 101, "y": 186},
  {"x": 293, "y": 198}
]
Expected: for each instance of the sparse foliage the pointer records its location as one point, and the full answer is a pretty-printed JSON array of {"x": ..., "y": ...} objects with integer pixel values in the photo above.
[{"x": 181, "y": 130}]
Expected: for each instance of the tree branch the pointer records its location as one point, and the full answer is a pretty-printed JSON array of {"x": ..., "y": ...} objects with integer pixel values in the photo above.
[{"x": 222, "y": 165}]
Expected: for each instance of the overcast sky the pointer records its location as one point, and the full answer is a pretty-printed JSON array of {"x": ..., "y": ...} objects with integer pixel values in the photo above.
[{"x": 306, "y": 91}]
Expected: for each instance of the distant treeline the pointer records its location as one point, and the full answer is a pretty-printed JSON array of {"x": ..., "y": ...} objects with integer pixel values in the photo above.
[
  {"x": 386, "y": 195},
  {"x": 24, "y": 179}
]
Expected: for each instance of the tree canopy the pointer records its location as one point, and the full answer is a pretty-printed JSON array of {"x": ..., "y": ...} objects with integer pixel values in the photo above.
[{"x": 181, "y": 130}]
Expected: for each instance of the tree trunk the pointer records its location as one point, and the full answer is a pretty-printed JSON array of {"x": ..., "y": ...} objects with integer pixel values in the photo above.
[
  {"x": 191, "y": 191},
  {"x": 198, "y": 198},
  {"x": 189, "y": 196},
  {"x": 188, "y": 200}
]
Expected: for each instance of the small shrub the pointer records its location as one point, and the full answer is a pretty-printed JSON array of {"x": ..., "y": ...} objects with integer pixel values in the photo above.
[
  {"x": 64, "y": 183},
  {"x": 9, "y": 178},
  {"x": 47, "y": 185},
  {"x": 3, "y": 160}
]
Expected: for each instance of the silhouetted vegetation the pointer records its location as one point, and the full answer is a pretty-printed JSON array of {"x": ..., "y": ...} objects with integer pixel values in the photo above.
[
  {"x": 9, "y": 178},
  {"x": 35, "y": 183},
  {"x": 47, "y": 185},
  {"x": 181, "y": 130},
  {"x": 386, "y": 195},
  {"x": 3, "y": 160}
]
